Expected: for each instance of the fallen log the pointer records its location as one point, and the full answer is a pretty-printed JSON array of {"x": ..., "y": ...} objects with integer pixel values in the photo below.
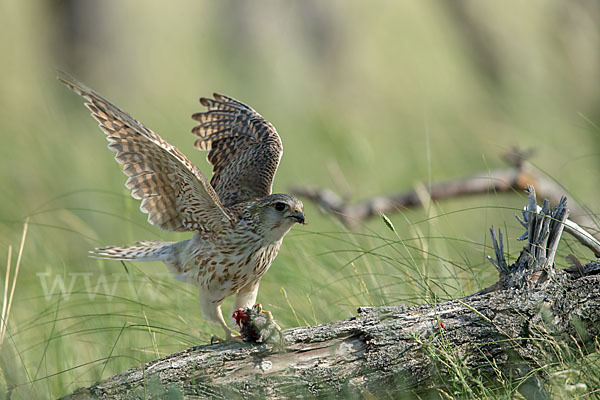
[{"x": 510, "y": 332}]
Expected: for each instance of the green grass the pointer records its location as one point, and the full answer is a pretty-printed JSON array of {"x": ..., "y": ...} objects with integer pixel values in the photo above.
[{"x": 369, "y": 98}]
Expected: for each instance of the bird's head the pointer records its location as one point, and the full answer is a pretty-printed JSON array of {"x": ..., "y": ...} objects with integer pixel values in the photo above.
[{"x": 276, "y": 214}]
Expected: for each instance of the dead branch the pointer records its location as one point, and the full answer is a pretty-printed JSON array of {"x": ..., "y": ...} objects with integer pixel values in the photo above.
[
  {"x": 504, "y": 333},
  {"x": 517, "y": 178},
  {"x": 502, "y": 180}
]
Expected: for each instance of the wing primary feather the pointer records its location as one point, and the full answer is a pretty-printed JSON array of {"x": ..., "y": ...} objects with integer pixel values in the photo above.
[
  {"x": 243, "y": 148},
  {"x": 174, "y": 192}
]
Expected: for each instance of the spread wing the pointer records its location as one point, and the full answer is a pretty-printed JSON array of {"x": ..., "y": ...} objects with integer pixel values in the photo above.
[
  {"x": 243, "y": 148},
  {"x": 174, "y": 193}
]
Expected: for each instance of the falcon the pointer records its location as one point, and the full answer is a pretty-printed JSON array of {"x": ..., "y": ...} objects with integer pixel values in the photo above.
[{"x": 237, "y": 224}]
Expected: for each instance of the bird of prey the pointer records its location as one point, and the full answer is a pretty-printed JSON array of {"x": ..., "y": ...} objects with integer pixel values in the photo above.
[{"x": 237, "y": 224}]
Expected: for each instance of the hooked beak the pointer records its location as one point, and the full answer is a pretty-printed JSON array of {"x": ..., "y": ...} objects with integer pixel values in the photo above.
[{"x": 298, "y": 217}]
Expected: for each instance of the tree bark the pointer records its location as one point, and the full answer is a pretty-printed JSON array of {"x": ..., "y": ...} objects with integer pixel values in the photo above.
[
  {"x": 384, "y": 350},
  {"x": 523, "y": 323}
]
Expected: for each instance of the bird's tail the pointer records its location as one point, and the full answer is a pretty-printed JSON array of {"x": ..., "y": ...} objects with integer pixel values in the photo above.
[{"x": 143, "y": 251}]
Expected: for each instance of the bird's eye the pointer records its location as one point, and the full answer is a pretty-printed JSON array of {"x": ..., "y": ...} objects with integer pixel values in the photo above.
[{"x": 279, "y": 206}]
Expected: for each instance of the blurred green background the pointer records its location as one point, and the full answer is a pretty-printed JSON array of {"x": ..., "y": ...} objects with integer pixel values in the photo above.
[{"x": 368, "y": 97}]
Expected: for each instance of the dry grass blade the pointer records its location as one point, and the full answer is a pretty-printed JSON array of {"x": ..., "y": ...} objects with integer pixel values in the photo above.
[
  {"x": 7, "y": 306},
  {"x": 4, "y": 300}
]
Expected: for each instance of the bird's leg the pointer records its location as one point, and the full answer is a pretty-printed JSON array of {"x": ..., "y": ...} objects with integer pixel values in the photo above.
[
  {"x": 245, "y": 297},
  {"x": 229, "y": 336},
  {"x": 213, "y": 313}
]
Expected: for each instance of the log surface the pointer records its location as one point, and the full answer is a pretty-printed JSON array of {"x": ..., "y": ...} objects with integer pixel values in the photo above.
[
  {"x": 509, "y": 332},
  {"x": 383, "y": 350}
]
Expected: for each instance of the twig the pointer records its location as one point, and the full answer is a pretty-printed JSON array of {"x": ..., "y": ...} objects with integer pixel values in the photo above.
[
  {"x": 352, "y": 214},
  {"x": 517, "y": 178},
  {"x": 583, "y": 236}
]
